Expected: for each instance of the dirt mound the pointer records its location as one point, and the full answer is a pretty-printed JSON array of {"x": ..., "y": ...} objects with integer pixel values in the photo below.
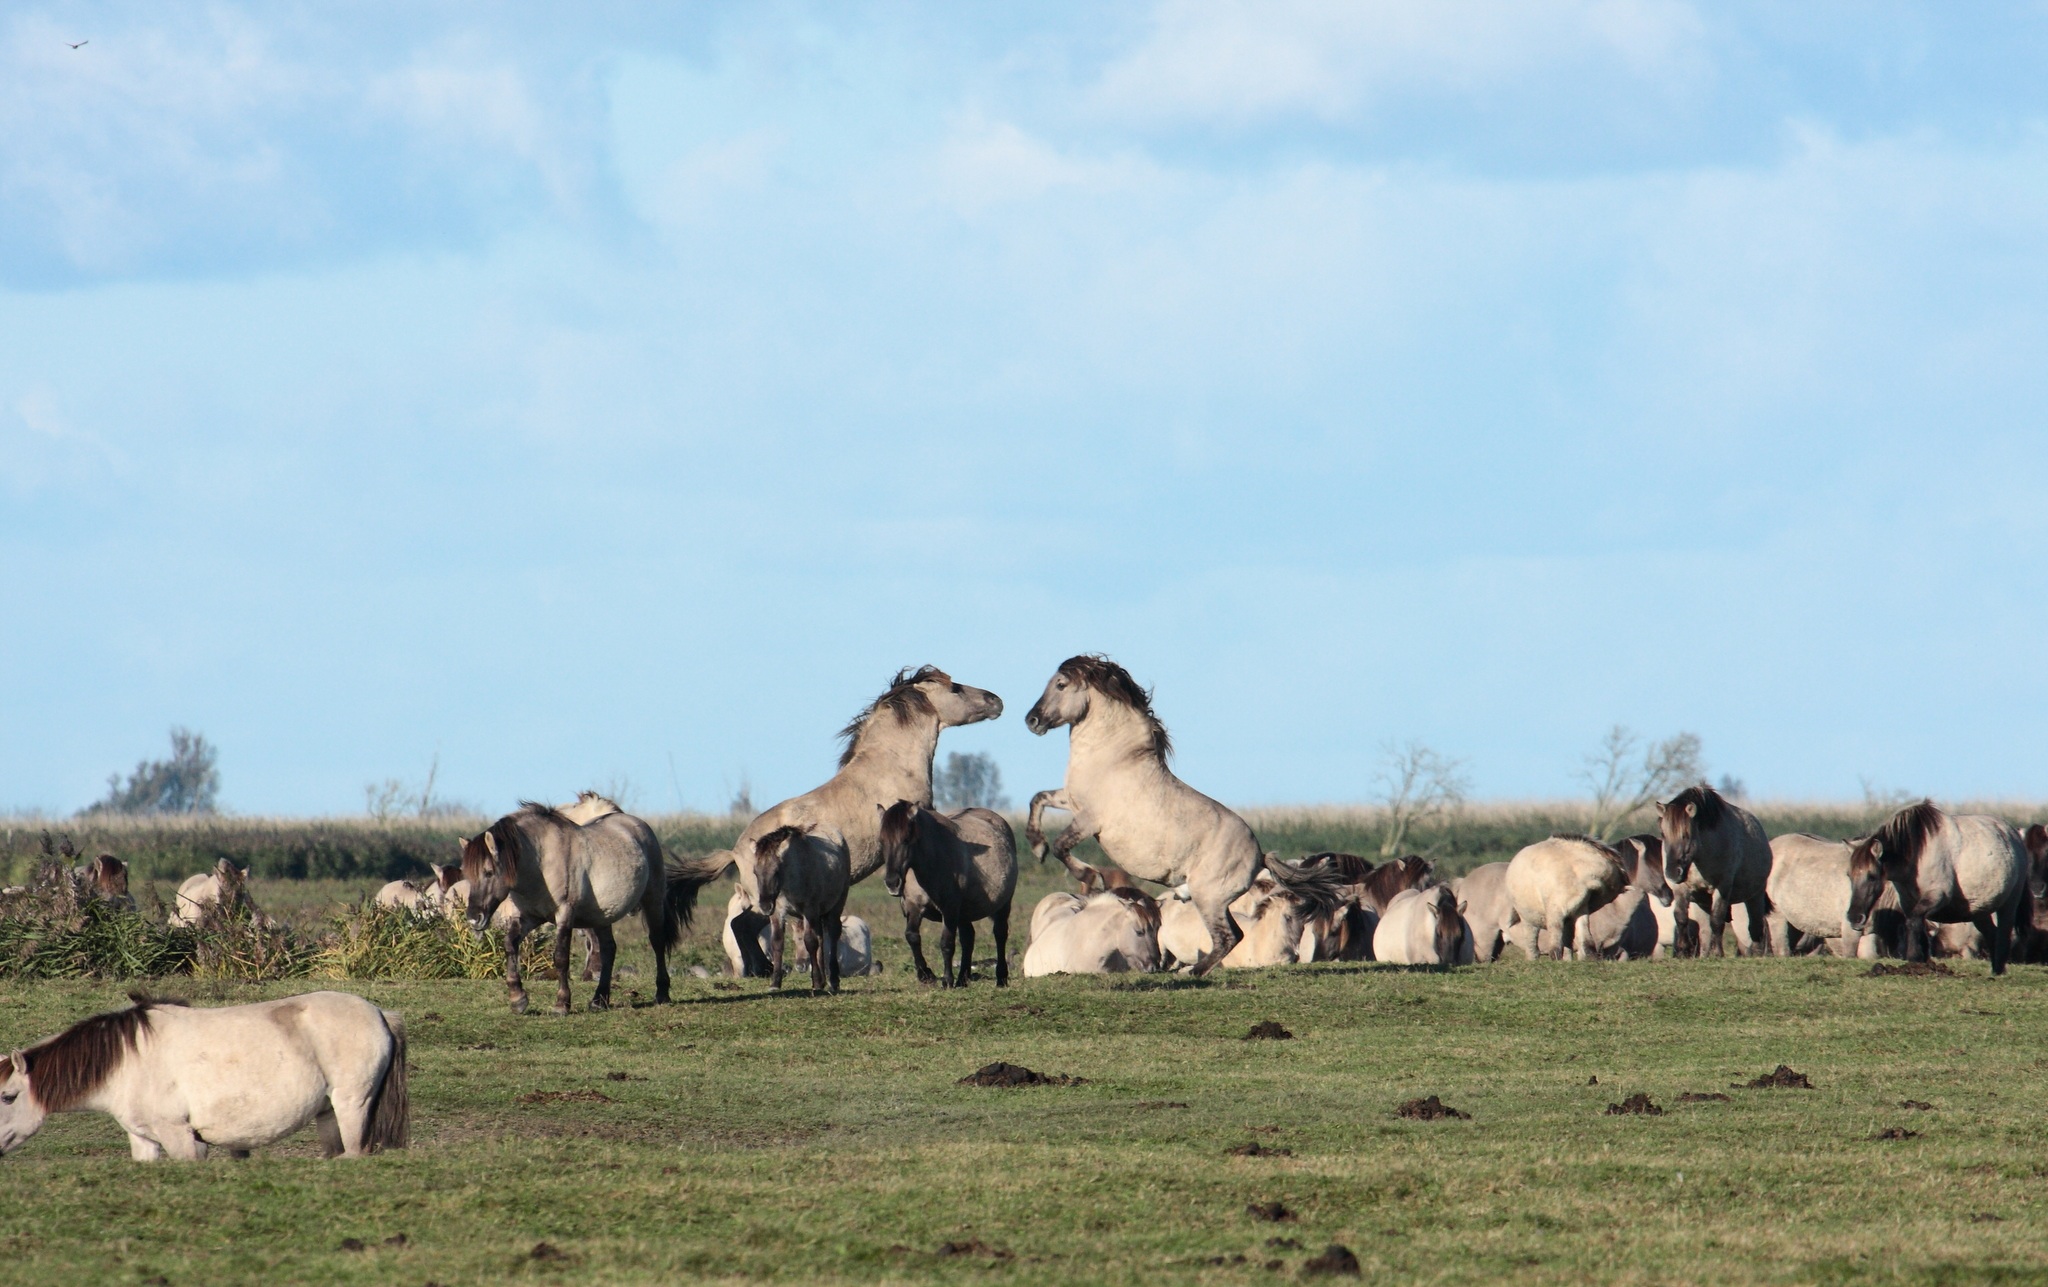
[
  {"x": 1283, "y": 1244},
  {"x": 1430, "y": 1109},
  {"x": 547, "y": 1251},
  {"x": 972, "y": 1247},
  {"x": 1160, "y": 1103},
  {"x": 619, "y": 1076},
  {"x": 1002, "y": 1074},
  {"x": 565, "y": 1097},
  {"x": 1909, "y": 969},
  {"x": 1637, "y": 1103},
  {"x": 1781, "y": 1078},
  {"x": 1917, "y": 1105},
  {"x": 1271, "y": 1212},
  {"x": 1336, "y": 1259},
  {"x": 1896, "y": 1133},
  {"x": 1259, "y": 1150},
  {"x": 1710, "y": 1097},
  {"x": 1270, "y": 1030}
]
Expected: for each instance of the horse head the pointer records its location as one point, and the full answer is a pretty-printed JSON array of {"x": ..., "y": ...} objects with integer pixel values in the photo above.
[
  {"x": 1074, "y": 687},
  {"x": 1680, "y": 820},
  {"x": 110, "y": 876},
  {"x": 20, "y": 1114},
  {"x": 1866, "y": 880},
  {"x": 898, "y": 836},
  {"x": 1644, "y": 855},
  {"x": 490, "y": 863}
]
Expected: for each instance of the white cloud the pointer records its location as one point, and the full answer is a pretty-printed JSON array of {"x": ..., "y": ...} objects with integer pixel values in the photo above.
[{"x": 1237, "y": 61}]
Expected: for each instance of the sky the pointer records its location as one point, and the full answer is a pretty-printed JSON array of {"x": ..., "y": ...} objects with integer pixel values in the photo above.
[{"x": 618, "y": 395}]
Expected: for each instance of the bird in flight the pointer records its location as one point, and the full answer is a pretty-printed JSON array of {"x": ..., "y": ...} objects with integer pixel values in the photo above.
[{"x": 77, "y": 43}]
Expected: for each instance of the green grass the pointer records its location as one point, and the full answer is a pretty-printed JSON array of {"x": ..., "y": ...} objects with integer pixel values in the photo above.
[{"x": 784, "y": 1137}]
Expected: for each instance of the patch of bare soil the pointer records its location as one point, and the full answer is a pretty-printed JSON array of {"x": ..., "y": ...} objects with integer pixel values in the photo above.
[
  {"x": 619, "y": 1076},
  {"x": 564, "y": 1097},
  {"x": 1271, "y": 1212},
  {"x": 1909, "y": 969},
  {"x": 1283, "y": 1244},
  {"x": 1710, "y": 1097},
  {"x": 972, "y": 1247},
  {"x": 1896, "y": 1133},
  {"x": 1430, "y": 1109},
  {"x": 1637, "y": 1103},
  {"x": 1002, "y": 1074},
  {"x": 1986, "y": 1217},
  {"x": 1270, "y": 1030},
  {"x": 1780, "y": 1078},
  {"x": 1918, "y": 1105},
  {"x": 1259, "y": 1150},
  {"x": 547, "y": 1252},
  {"x": 1336, "y": 1259},
  {"x": 1159, "y": 1103}
]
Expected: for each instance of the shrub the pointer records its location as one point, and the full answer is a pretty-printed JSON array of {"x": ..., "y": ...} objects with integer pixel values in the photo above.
[{"x": 372, "y": 942}]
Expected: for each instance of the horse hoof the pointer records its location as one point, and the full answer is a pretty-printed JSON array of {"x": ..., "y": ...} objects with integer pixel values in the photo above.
[
  {"x": 519, "y": 1005},
  {"x": 598, "y": 1003},
  {"x": 561, "y": 1007}
]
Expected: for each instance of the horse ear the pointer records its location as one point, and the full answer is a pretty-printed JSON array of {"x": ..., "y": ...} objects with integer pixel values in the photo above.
[
  {"x": 1877, "y": 849},
  {"x": 9, "y": 1064},
  {"x": 491, "y": 844},
  {"x": 1692, "y": 810}
]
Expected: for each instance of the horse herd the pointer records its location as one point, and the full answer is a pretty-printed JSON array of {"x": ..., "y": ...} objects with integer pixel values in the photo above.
[{"x": 182, "y": 1080}]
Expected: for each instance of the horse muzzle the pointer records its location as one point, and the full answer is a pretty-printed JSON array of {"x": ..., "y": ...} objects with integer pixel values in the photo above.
[{"x": 1034, "y": 719}]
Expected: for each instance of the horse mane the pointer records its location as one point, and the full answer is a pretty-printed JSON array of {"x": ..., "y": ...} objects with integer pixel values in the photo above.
[
  {"x": 1104, "y": 676},
  {"x": 1581, "y": 837},
  {"x": 1707, "y": 801},
  {"x": 1905, "y": 833},
  {"x": 2036, "y": 838},
  {"x": 899, "y": 826},
  {"x": 587, "y": 796},
  {"x": 1353, "y": 868},
  {"x": 535, "y": 809},
  {"x": 775, "y": 839},
  {"x": 77, "y": 1061},
  {"x": 1142, "y": 904},
  {"x": 902, "y": 697}
]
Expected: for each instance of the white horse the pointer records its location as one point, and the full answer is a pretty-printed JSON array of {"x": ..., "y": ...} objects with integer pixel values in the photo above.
[
  {"x": 1810, "y": 891},
  {"x": 1113, "y": 932},
  {"x": 402, "y": 893},
  {"x": 1423, "y": 927},
  {"x": 1483, "y": 901},
  {"x": 1554, "y": 882},
  {"x": 183, "y": 1081},
  {"x": 1122, "y": 794}
]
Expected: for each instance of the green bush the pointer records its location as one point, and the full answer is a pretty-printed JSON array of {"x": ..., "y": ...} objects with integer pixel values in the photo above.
[{"x": 372, "y": 942}]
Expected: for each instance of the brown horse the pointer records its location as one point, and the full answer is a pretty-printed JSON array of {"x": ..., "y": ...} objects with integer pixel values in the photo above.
[
  {"x": 1713, "y": 844},
  {"x": 2030, "y": 943},
  {"x": 956, "y": 869},
  {"x": 1946, "y": 868}
]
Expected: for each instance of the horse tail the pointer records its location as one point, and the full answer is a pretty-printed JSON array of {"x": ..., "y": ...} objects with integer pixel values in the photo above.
[
  {"x": 1321, "y": 886},
  {"x": 686, "y": 877},
  {"x": 390, "y": 1106}
]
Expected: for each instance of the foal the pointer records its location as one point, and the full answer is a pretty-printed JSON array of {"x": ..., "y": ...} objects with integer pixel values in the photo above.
[
  {"x": 798, "y": 870},
  {"x": 956, "y": 869}
]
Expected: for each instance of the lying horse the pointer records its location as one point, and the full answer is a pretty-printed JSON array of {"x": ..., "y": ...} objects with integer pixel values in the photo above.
[
  {"x": 1122, "y": 795},
  {"x": 553, "y": 871},
  {"x": 1423, "y": 927},
  {"x": 1483, "y": 901},
  {"x": 1278, "y": 921},
  {"x": 1113, "y": 932},
  {"x": 1946, "y": 868},
  {"x": 183, "y": 1081},
  {"x": 1724, "y": 847},
  {"x": 226, "y": 887},
  {"x": 957, "y": 869}
]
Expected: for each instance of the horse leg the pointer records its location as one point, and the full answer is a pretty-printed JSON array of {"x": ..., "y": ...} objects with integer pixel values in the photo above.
[
  {"x": 144, "y": 1149},
  {"x": 330, "y": 1131},
  {"x": 814, "y": 943},
  {"x": 607, "y": 952},
  {"x": 947, "y": 937},
  {"x": 966, "y": 950},
  {"x": 514, "y": 984},
  {"x": 1566, "y": 933},
  {"x": 1717, "y": 924},
  {"x": 913, "y": 934},
  {"x": 1223, "y": 931},
  {"x": 1997, "y": 931},
  {"x": 1081, "y": 828},
  {"x": 834, "y": 930},
  {"x": 1759, "y": 936},
  {"x": 590, "y": 956},
  {"x": 776, "y": 930},
  {"x": 746, "y": 926},
  {"x": 1034, "y": 830},
  {"x": 999, "y": 923},
  {"x": 659, "y": 931},
  {"x": 1917, "y": 946},
  {"x": 565, "y": 942}
]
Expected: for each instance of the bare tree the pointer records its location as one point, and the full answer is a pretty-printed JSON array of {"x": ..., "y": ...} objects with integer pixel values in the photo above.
[
  {"x": 1416, "y": 785},
  {"x": 1627, "y": 774}
]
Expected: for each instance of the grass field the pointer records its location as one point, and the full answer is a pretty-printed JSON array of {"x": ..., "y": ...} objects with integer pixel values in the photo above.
[{"x": 739, "y": 1135}]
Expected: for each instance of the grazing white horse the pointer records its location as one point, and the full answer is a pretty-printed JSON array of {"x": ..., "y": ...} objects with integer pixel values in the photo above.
[
  {"x": 182, "y": 1081},
  {"x": 1113, "y": 932},
  {"x": 1122, "y": 795},
  {"x": 225, "y": 885},
  {"x": 1554, "y": 882},
  {"x": 1946, "y": 868},
  {"x": 1423, "y": 927}
]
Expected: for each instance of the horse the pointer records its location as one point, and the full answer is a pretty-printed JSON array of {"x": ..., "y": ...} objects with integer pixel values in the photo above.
[
  {"x": 887, "y": 757},
  {"x": 183, "y": 1081},
  {"x": 552, "y": 870},
  {"x": 1121, "y": 794},
  {"x": 107, "y": 879},
  {"x": 1946, "y": 868},
  {"x": 226, "y": 887},
  {"x": 1811, "y": 889},
  {"x": 1277, "y": 920},
  {"x": 957, "y": 869},
  {"x": 799, "y": 870},
  {"x": 1727, "y": 847},
  {"x": 1113, "y": 932},
  {"x": 1554, "y": 882},
  {"x": 1422, "y": 926},
  {"x": 400, "y": 893},
  {"x": 856, "y": 944},
  {"x": 1627, "y": 928},
  {"x": 2031, "y": 946},
  {"x": 1483, "y": 901}
]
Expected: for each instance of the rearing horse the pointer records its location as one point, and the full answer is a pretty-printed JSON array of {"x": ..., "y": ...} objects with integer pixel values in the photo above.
[{"x": 1122, "y": 794}]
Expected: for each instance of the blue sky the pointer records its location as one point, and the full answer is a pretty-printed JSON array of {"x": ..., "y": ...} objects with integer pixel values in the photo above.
[{"x": 618, "y": 395}]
